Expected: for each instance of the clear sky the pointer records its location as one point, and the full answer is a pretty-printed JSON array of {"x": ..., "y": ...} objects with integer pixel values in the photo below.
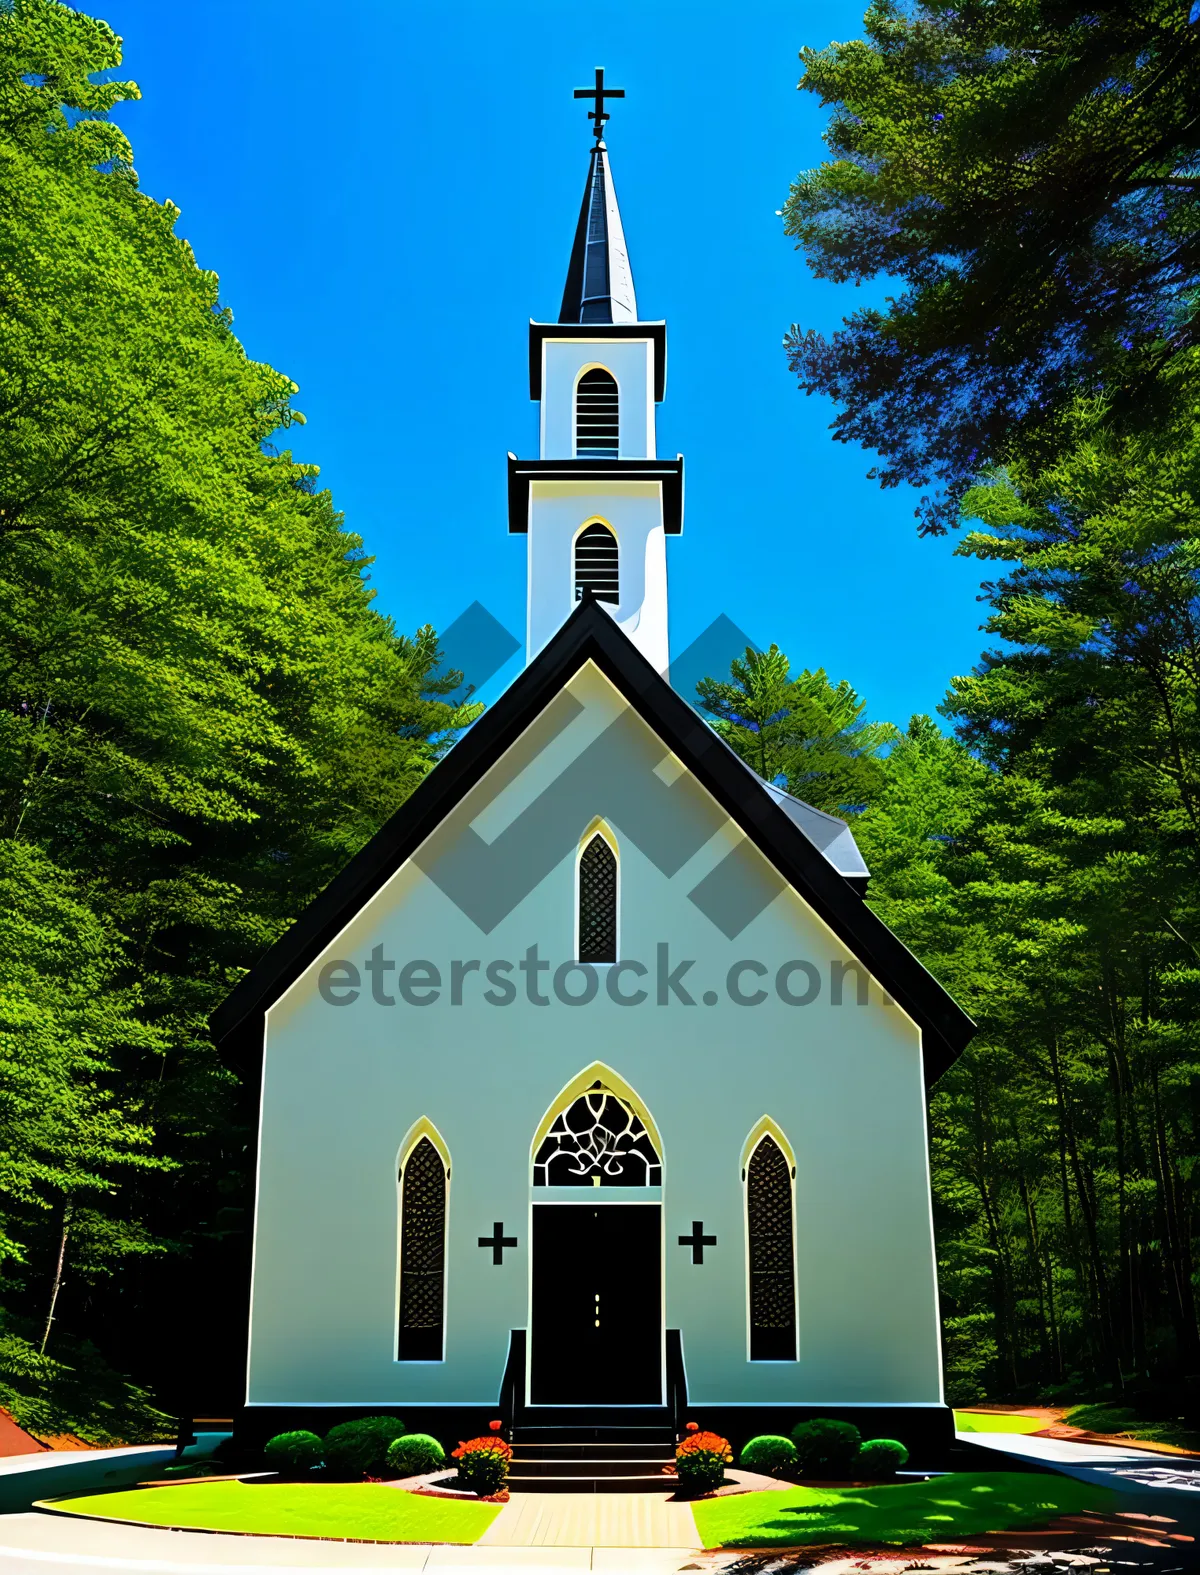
[{"x": 388, "y": 191}]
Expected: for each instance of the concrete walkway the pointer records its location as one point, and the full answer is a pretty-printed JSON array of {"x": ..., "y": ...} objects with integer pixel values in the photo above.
[
  {"x": 1128, "y": 1470},
  {"x": 592, "y": 1520}
]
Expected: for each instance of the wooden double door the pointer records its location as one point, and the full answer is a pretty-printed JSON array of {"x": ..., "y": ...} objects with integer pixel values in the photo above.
[{"x": 596, "y": 1334}]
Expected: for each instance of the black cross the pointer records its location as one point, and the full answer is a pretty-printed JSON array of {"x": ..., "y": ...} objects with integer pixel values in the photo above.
[
  {"x": 599, "y": 93},
  {"x": 697, "y": 1241},
  {"x": 498, "y": 1242}
]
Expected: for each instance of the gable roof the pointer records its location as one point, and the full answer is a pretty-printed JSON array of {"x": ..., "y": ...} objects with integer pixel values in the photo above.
[{"x": 779, "y": 832}]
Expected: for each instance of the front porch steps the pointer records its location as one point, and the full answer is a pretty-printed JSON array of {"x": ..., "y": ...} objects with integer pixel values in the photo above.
[{"x": 596, "y": 1459}]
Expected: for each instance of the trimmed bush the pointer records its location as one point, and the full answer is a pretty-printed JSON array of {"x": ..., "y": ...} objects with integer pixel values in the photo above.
[
  {"x": 770, "y": 1455},
  {"x": 414, "y": 1455},
  {"x": 826, "y": 1450},
  {"x": 880, "y": 1457},
  {"x": 700, "y": 1461},
  {"x": 359, "y": 1448},
  {"x": 483, "y": 1465},
  {"x": 291, "y": 1454}
]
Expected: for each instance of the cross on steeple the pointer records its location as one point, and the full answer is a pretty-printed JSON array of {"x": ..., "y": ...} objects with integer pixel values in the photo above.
[{"x": 599, "y": 93}]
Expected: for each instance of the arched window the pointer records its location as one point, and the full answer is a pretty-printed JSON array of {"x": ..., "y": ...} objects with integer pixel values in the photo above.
[
  {"x": 597, "y": 1140},
  {"x": 423, "y": 1177},
  {"x": 597, "y": 563},
  {"x": 598, "y": 902},
  {"x": 597, "y": 416},
  {"x": 772, "y": 1254}
]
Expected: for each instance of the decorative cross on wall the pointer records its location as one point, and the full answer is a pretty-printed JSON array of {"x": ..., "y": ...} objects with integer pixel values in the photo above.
[
  {"x": 599, "y": 93},
  {"x": 497, "y": 1242},
  {"x": 697, "y": 1241}
]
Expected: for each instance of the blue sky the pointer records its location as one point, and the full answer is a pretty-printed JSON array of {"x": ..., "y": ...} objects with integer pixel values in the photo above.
[{"x": 388, "y": 191}]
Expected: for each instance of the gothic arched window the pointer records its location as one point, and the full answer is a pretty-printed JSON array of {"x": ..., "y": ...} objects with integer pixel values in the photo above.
[
  {"x": 423, "y": 1177},
  {"x": 597, "y": 416},
  {"x": 598, "y": 902},
  {"x": 597, "y": 563},
  {"x": 772, "y": 1254},
  {"x": 599, "y": 1139}
]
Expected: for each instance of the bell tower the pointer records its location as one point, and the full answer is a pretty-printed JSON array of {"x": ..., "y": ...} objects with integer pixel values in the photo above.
[{"x": 598, "y": 504}]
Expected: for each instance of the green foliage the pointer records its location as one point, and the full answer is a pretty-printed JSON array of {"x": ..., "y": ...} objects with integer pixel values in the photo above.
[
  {"x": 202, "y": 717},
  {"x": 1028, "y": 173},
  {"x": 825, "y": 1449},
  {"x": 770, "y": 1455},
  {"x": 359, "y": 1448},
  {"x": 804, "y": 732},
  {"x": 72, "y": 1392},
  {"x": 294, "y": 1453},
  {"x": 879, "y": 1457},
  {"x": 414, "y": 1455}
]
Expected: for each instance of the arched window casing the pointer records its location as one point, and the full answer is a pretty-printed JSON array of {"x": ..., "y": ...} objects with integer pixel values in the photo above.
[
  {"x": 424, "y": 1175},
  {"x": 597, "y": 898},
  {"x": 597, "y": 1132},
  {"x": 597, "y": 416},
  {"x": 771, "y": 1253},
  {"x": 597, "y": 563}
]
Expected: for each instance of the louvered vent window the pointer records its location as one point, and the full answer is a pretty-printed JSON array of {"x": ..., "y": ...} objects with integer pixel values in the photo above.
[
  {"x": 422, "y": 1254},
  {"x": 597, "y": 565},
  {"x": 772, "y": 1263},
  {"x": 597, "y": 429},
  {"x": 598, "y": 902}
]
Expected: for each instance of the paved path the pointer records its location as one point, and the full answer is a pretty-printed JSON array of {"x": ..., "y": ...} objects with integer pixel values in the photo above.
[
  {"x": 592, "y": 1520},
  {"x": 1127, "y": 1470}
]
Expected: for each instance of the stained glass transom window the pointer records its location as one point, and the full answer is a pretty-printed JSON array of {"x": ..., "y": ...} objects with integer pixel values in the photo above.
[
  {"x": 422, "y": 1254},
  {"x": 772, "y": 1256},
  {"x": 598, "y": 902},
  {"x": 598, "y": 1139}
]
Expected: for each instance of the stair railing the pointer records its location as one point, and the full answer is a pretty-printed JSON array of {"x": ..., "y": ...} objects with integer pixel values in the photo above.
[
  {"x": 512, "y": 1385},
  {"x": 676, "y": 1381}
]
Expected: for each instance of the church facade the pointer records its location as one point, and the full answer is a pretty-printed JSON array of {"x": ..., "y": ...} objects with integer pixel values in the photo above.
[{"x": 593, "y": 1087}]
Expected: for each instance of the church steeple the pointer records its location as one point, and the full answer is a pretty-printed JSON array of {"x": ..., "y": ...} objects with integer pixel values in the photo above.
[
  {"x": 599, "y": 285},
  {"x": 598, "y": 504}
]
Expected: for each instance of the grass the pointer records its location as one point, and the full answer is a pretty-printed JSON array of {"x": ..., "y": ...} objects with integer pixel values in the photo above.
[
  {"x": 1105, "y": 1418},
  {"x": 994, "y": 1422},
  {"x": 945, "y": 1509},
  {"x": 366, "y": 1511}
]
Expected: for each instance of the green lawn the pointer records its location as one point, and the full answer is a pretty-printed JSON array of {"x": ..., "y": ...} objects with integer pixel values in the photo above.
[
  {"x": 942, "y": 1510},
  {"x": 995, "y": 1422},
  {"x": 365, "y": 1510},
  {"x": 1119, "y": 1419}
]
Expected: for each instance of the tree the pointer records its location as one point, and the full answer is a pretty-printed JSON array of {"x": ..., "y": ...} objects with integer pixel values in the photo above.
[
  {"x": 1030, "y": 173},
  {"x": 804, "y": 732},
  {"x": 202, "y": 715}
]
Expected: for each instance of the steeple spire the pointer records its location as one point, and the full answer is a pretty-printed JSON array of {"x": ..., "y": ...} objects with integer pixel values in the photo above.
[{"x": 599, "y": 285}]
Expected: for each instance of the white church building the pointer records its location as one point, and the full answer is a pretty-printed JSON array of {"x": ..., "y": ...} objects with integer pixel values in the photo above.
[{"x": 592, "y": 1093}]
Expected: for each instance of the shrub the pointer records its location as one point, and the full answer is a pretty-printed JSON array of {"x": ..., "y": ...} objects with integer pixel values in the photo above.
[
  {"x": 414, "y": 1454},
  {"x": 359, "y": 1448},
  {"x": 769, "y": 1454},
  {"x": 483, "y": 1465},
  {"x": 880, "y": 1457},
  {"x": 700, "y": 1461},
  {"x": 292, "y": 1453},
  {"x": 826, "y": 1450}
]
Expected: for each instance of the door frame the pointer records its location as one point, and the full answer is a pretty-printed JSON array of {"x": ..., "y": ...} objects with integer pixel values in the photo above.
[{"x": 589, "y": 1197}]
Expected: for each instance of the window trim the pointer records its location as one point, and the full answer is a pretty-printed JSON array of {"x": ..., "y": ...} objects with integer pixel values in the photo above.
[
  {"x": 595, "y": 519},
  {"x": 767, "y": 1127},
  {"x": 598, "y": 826},
  {"x": 423, "y": 1127},
  {"x": 594, "y": 366}
]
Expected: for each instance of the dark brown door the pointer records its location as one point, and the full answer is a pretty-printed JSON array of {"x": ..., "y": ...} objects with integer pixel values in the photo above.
[{"x": 597, "y": 1304}]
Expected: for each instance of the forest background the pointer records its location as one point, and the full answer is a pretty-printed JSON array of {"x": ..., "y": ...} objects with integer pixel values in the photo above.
[{"x": 203, "y": 714}]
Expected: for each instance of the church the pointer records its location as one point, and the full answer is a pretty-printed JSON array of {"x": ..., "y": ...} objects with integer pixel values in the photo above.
[{"x": 592, "y": 1092}]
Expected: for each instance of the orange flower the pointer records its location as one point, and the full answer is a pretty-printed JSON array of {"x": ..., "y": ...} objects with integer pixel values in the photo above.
[
  {"x": 698, "y": 1443},
  {"x": 483, "y": 1446}
]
